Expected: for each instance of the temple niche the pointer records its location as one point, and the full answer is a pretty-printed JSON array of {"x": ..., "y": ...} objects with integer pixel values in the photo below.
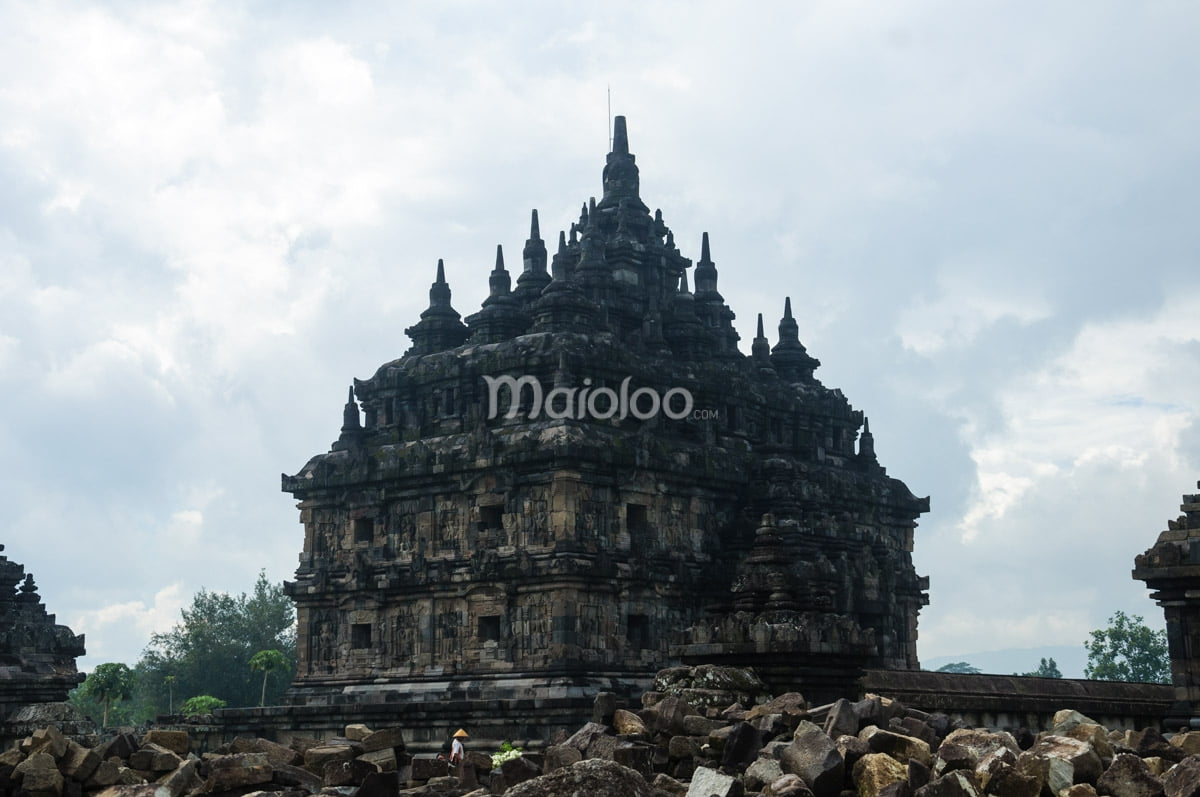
[
  {"x": 37, "y": 656},
  {"x": 587, "y": 480}
]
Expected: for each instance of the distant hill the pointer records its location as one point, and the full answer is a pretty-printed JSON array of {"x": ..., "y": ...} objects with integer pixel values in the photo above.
[{"x": 1071, "y": 660}]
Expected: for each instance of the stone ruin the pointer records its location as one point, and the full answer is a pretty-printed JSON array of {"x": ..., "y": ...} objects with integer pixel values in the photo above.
[
  {"x": 586, "y": 481},
  {"x": 705, "y": 731},
  {"x": 1171, "y": 568},
  {"x": 37, "y": 656}
]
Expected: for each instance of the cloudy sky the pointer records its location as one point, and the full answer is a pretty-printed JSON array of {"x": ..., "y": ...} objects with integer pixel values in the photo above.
[{"x": 214, "y": 216}]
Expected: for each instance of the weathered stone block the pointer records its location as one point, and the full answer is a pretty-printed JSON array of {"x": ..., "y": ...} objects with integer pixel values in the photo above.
[
  {"x": 874, "y": 771},
  {"x": 181, "y": 780},
  {"x": 384, "y": 739},
  {"x": 315, "y": 758},
  {"x": 559, "y": 756},
  {"x": 383, "y": 760},
  {"x": 1082, "y": 763},
  {"x": 953, "y": 784},
  {"x": 177, "y": 742},
  {"x": 741, "y": 746},
  {"x": 295, "y": 777},
  {"x": 685, "y": 746},
  {"x": 48, "y": 740},
  {"x": 761, "y": 772},
  {"x": 628, "y": 723},
  {"x": 104, "y": 775},
  {"x": 346, "y": 773},
  {"x": 813, "y": 756},
  {"x": 667, "y": 785},
  {"x": 426, "y": 768},
  {"x": 788, "y": 785},
  {"x": 153, "y": 758},
  {"x": 39, "y": 775},
  {"x": 1183, "y": 779},
  {"x": 842, "y": 719},
  {"x": 79, "y": 762},
  {"x": 356, "y": 732},
  {"x": 379, "y": 784},
  {"x": 714, "y": 783},
  {"x": 900, "y": 747},
  {"x": 595, "y": 778},
  {"x": 1129, "y": 776},
  {"x": 238, "y": 770},
  {"x": 519, "y": 769}
]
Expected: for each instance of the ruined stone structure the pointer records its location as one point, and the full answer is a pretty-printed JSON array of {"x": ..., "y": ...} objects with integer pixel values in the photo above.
[
  {"x": 1171, "y": 567},
  {"x": 638, "y": 492},
  {"x": 37, "y": 657}
]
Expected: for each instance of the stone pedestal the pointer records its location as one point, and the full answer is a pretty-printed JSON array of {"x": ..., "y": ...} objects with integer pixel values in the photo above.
[{"x": 1171, "y": 567}]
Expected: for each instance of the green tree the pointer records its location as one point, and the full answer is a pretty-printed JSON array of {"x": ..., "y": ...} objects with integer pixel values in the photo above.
[
  {"x": 169, "y": 681},
  {"x": 201, "y": 704},
  {"x": 107, "y": 684},
  {"x": 959, "y": 667},
  {"x": 1047, "y": 669},
  {"x": 207, "y": 652},
  {"x": 267, "y": 661},
  {"x": 1128, "y": 650}
]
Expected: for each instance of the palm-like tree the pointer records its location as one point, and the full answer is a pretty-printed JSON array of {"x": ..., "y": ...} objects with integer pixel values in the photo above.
[{"x": 268, "y": 661}]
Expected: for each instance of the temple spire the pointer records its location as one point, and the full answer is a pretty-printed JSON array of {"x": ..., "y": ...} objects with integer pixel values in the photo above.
[
  {"x": 499, "y": 282},
  {"x": 760, "y": 348},
  {"x": 790, "y": 357},
  {"x": 440, "y": 327},
  {"x": 620, "y": 145},
  {"x": 534, "y": 277},
  {"x": 706, "y": 274},
  {"x": 350, "y": 419},
  {"x": 439, "y": 291},
  {"x": 621, "y": 179},
  {"x": 866, "y": 444}
]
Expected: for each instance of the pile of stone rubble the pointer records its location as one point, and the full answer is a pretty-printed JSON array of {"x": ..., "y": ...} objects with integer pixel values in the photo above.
[{"x": 703, "y": 731}]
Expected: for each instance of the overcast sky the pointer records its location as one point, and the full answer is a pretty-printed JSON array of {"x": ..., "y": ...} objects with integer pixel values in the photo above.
[{"x": 214, "y": 216}]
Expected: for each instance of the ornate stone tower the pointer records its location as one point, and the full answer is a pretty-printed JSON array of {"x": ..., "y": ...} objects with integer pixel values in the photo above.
[
  {"x": 1171, "y": 567},
  {"x": 37, "y": 657},
  {"x": 586, "y": 480}
]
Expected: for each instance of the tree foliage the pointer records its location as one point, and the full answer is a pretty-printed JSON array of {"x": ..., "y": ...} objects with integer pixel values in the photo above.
[
  {"x": 1048, "y": 668},
  {"x": 107, "y": 684},
  {"x": 201, "y": 704},
  {"x": 207, "y": 652},
  {"x": 1128, "y": 650},
  {"x": 959, "y": 667}
]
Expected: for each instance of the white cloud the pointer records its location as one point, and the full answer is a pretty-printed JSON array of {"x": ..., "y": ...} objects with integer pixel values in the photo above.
[
  {"x": 971, "y": 297},
  {"x": 114, "y": 630}
]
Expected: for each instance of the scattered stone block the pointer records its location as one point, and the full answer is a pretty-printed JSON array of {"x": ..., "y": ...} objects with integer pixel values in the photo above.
[
  {"x": 1183, "y": 779},
  {"x": 594, "y": 778},
  {"x": 788, "y": 785},
  {"x": 813, "y": 756},
  {"x": 177, "y": 742},
  {"x": 237, "y": 771},
  {"x": 874, "y": 771},
  {"x": 39, "y": 775},
  {"x": 714, "y": 783},
  {"x": 356, "y": 732},
  {"x": 628, "y": 723}
]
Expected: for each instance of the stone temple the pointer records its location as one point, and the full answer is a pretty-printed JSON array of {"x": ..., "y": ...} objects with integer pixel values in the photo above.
[
  {"x": 37, "y": 656},
  {"x": 586, "y": 480}
]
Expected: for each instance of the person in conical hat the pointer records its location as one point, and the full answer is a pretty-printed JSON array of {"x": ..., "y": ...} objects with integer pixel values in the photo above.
[{"x": 456, "y": 746}]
